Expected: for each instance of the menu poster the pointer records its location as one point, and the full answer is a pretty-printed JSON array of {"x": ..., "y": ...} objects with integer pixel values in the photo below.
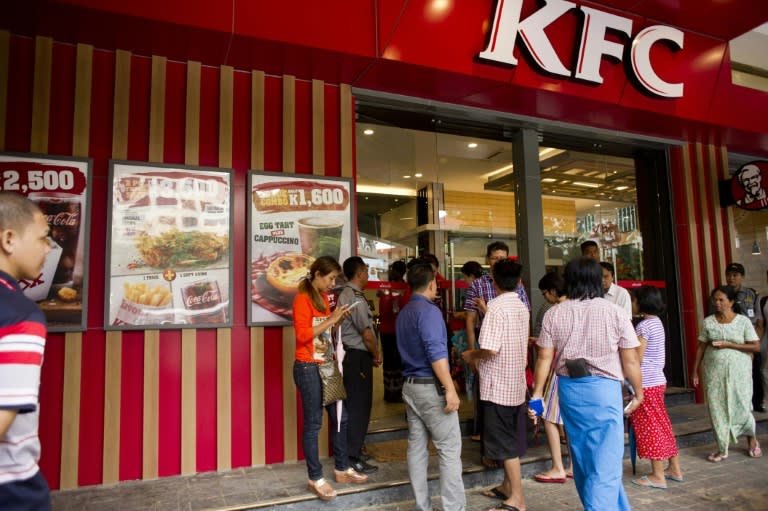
[
  {"x": 60, "y": 187},
  {"x": 292, "y": 222},
  {"x": 170, "y": 247}
]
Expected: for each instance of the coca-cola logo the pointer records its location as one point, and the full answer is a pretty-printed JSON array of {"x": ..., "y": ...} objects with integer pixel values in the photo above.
[
  {"x": 209, "y": 297},
  {"x": 63, "y": 219}
]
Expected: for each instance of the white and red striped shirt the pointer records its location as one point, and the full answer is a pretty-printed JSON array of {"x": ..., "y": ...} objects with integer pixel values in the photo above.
[
  {"x": 505, "y": 331},
  {"x": 591, "y": 329},
  {"x": 22, "y": 342}
]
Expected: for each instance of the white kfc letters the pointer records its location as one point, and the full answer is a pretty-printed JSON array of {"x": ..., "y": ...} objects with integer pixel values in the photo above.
[{"x": 507, "y": 25}]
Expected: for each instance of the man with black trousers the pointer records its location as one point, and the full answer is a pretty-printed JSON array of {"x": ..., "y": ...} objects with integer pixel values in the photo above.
[{"x": 362, "y": 355}]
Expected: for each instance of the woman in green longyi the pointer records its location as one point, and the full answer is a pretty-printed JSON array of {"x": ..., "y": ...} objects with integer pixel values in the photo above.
[{"x": 726, "y": 343}]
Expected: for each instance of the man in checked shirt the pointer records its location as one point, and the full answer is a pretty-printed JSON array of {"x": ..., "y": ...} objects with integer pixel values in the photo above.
[
  {"x": 479, "y": 294},
  {"x": 501, "y": 363}
]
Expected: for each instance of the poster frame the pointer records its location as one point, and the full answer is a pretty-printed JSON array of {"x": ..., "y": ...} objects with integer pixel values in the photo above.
[
  {"x": 85, "y": 220},
  {"x": 108, "y": 277},
  {"x": 253, "y": 177}
]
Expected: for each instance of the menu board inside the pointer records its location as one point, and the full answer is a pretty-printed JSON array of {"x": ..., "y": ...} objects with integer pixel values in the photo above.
[
  {"x": 293, "y": 221},
  {"x": 170, "y": 247},
  {"x": 60, "y": 187}
]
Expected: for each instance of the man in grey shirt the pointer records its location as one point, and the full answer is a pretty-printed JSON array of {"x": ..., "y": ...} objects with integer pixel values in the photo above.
[{"x": 362, "y": 355}]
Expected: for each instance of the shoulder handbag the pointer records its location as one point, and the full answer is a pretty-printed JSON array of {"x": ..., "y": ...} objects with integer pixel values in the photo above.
[{"x": 332, "y": 380}]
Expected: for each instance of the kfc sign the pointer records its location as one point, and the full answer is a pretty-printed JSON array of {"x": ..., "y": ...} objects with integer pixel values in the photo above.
[{"x": 507, "y": 25}]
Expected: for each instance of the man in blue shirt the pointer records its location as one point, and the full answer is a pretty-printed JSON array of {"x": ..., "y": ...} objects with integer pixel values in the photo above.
[{"x": 431, "y": 401}]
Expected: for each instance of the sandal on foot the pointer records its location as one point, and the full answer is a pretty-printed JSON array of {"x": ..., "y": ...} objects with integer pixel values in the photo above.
[
  {"x": 755, "y": 452},
  {"x": 322, "y": 489},
  {"x": 504, "y": 507},
  {"x": 542, "y": 478},
  {"x": 717, "y": 457},
  {"x": 647, "y": 483},
  {"x": 350, "y": 476},
  {"x": 670, "y": 477},
  {"x": 495, "y": 493}
]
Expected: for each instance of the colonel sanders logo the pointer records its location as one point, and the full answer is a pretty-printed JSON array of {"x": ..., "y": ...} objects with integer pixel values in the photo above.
[{"x": 748, "y": 185}]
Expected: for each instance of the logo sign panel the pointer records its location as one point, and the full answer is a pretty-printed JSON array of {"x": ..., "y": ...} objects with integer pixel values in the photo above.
[
  {"x": 749, "y": 186},
  {"x": 508, "y": 28}
]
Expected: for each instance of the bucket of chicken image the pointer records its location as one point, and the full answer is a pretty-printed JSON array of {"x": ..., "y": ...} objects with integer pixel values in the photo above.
[{"x": 143, "y": 304}]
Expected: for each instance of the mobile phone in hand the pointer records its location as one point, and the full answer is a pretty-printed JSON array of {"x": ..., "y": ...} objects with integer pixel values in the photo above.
[
  {"x": 626, "y": 408},
  {"x": 537, "y": 405}
]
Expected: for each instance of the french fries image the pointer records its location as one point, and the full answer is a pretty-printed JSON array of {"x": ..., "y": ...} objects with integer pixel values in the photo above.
[{"x": 142, "y": 294}]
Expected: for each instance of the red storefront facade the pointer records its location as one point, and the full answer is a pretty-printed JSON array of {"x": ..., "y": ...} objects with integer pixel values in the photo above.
[{"x": 248, "y": 86}]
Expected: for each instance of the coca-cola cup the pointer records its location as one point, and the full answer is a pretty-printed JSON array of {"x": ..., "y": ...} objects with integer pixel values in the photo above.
[
  {"x": 62, "y": 210},
  {"x": 203, "y": 302}
]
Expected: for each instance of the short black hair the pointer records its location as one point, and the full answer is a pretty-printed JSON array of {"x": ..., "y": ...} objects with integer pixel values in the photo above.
[
  {"x": 397, "y": 271},
  {"x": 729, "y": 292},
  {"x": 419, "y": 276},
  {"x": 584, "y": 278},
  {"x": 553, "y": 280},
  {"x": 649, "y": 300},
  {"x": 352, "y": 265},
  {"x": 506, "y": 274},
  {"x": 496, "y": 245},
  {"x": 16, "y": 211},
  {"x": 608, "y": 266},
  {"x": 588, "y": 244},
  {"x": 430, "y": 258},
  {"x": 472, "y": 269}
]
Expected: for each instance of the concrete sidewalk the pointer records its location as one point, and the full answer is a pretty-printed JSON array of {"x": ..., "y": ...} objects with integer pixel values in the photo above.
[{"x": 739, "y": 483}]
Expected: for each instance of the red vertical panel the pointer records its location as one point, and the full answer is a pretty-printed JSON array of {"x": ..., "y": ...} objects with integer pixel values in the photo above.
[
  {"x": 175, "y": 112},
  {"x": 206, "y": 400},
  {"x": 91, "y": 408},
  {"x": 273, "y": 395},
  {"x": 241, "y": 396},
  {"x": 138, "y": 117},
  {"x": 331, "y": 130},
  {"x": 51, "y": 406},
  {"x": 241, "y": 128},
  {"x": 303, "y": 120},
  {"x": 169, "y": 421},
  {"x": 273, "y": 123},
  {"x": 21, "y": 72},
  {"x": 62, "y": 108},
  {"x": 131, "y": 405},
  {"x": 102, "y": 105},
  {"x": 209, "y": 117}
]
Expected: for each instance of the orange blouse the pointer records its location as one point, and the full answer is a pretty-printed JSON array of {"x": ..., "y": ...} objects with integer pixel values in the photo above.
[{"x": 304, "y": 314}]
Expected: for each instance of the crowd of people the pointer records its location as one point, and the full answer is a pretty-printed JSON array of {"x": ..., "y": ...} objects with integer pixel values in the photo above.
[{"x": 595, "y": 372}]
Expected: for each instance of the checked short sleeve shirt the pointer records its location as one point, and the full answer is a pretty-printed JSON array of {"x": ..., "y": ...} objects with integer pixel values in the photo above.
[
  {"x": 505, "y": 331},
  {"x": 592, "y": 329}
]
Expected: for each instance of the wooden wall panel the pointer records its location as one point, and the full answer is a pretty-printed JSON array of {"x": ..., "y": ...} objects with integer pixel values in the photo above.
[{"x": 5, "y": 48}]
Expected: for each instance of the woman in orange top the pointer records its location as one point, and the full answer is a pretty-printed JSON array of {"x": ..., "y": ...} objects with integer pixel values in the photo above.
[{"x": 313, "y": 322}]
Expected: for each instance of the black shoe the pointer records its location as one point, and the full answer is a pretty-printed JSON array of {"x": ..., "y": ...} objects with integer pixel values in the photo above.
[
  {"x": 365, "y": 457},
  {"x": 362, "y": 466},
  {"x": 760, "y": 409}
]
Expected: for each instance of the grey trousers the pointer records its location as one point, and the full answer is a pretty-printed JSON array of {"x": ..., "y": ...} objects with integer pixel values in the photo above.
[{"x": 426, "y": 419}]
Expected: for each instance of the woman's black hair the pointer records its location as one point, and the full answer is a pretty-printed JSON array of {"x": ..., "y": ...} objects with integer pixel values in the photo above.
[
  {"x": 472, "y": 269},
  {"x": 584, "y": 278},
  {"x": 729, "y": 292},
  {"x": 649, "y": 300},
  {"x": 553, "y": 280},
  {"x": 322, "y": 265}
]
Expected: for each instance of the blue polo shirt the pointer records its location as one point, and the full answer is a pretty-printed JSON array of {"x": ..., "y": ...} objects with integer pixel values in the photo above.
[{"x": 421, "y": 336}]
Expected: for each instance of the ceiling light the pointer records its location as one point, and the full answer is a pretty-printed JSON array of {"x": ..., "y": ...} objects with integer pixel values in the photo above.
[
  {"x": 472, "y": 145},
  {"x": 368, "y": 131},
  {"x": 586, "y": 185},
  {"x": 418, "y": 174},
  {"x": 406, "y": 177},
  {"x": 621, "y": 188},
  {"x": 549, "y": 180}
]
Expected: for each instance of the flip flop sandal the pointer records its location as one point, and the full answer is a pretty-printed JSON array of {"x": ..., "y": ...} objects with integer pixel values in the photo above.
[
  {"x": 504, "y": 507},
  {"x": 541, "y": 478},
  {"x": 670, "y": 477},
  {"x": 495, "y": 493},
  {"x": 755, "y": 452},
  {"x": 647, "y": 483},
  {"x": 717, "y": 457}
]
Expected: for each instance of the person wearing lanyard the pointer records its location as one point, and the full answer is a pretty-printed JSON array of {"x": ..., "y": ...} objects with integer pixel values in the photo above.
[
  {"x": 595, "y": 344},
  {"x": 431, "y": 400},
  {"x": 23, "y": 246}
]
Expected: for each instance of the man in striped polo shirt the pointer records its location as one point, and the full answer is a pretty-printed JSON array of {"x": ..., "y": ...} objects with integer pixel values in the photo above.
[{"x": 23, "y": 247}]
